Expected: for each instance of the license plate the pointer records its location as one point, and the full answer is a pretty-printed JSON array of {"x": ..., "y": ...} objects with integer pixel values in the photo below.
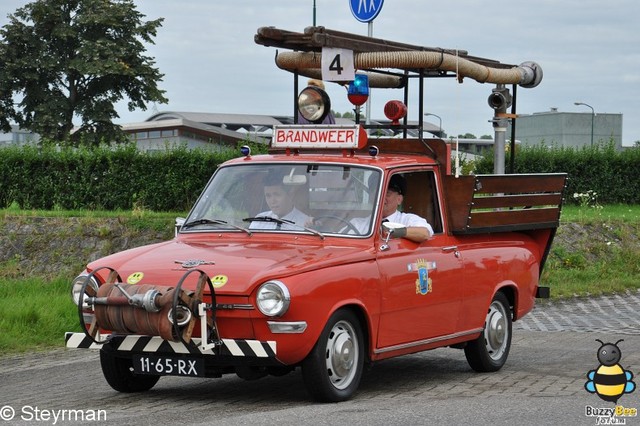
[{"x": 168, "y": 365}]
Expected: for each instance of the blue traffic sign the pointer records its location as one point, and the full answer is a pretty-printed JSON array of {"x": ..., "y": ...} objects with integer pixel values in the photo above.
[{"x": 365, "y": 10}]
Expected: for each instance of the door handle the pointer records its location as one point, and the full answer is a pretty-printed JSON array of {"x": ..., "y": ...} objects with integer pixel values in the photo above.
[{"x": 453, "y": 249}]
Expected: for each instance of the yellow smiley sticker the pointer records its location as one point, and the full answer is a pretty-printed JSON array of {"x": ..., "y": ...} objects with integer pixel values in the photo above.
[
  {"x": 219, "y": 280},
  {"x": 135, "y": 278}
]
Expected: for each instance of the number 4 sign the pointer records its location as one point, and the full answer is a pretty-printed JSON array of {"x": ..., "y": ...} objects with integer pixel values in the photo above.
[{"x": 337, "y": 64}]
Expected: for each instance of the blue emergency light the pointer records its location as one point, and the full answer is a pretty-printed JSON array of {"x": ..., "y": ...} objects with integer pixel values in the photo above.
[{"x": 358, "y": 91}]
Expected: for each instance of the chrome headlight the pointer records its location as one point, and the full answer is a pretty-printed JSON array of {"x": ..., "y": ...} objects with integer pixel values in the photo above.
[
  {"x": 76, "y": 287},
  {"x": 273, "y": 298}
]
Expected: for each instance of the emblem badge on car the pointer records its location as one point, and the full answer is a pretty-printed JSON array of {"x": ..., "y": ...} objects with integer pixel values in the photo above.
[{"x": 193, "y": 263}]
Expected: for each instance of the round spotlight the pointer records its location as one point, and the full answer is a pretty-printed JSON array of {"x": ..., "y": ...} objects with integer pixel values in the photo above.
[{"x": 314, "y": 104}]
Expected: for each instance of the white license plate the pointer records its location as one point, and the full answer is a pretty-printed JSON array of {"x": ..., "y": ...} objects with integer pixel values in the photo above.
[{"x": 168, "y": 365}]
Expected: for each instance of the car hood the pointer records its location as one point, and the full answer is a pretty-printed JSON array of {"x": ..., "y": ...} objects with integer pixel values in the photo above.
[{"x": 235, "y": 267}]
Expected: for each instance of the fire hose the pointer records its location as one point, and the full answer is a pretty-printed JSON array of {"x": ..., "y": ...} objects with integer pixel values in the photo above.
[
  {"x": 528, "y": 74},
  {"x": 145, "y": 309}
]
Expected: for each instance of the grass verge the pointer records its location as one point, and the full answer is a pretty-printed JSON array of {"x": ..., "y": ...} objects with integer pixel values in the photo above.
[{"x": 35, "y": 314}]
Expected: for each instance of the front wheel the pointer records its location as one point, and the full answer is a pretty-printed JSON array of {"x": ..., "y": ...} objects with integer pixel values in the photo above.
[
  {"x": 333, "y": 369},
  {"x": 489, "y": 352},
  {"x": 119, "y": 374}
]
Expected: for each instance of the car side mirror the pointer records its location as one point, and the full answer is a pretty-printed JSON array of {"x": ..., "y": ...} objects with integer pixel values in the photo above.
[{"x": 392, "y": 230}]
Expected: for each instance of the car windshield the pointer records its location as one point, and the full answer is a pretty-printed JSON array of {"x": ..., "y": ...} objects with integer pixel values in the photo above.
[{"x": 324, "y": 199}]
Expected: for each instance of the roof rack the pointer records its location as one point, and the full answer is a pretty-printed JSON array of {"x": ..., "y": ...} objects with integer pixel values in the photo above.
[
  {"x": 392, "y": 64},
  {"x": 379, "y": 55}
]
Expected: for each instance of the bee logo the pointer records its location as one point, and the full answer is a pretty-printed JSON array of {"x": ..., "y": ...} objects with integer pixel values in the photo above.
[{"x": 609, "y": 381}]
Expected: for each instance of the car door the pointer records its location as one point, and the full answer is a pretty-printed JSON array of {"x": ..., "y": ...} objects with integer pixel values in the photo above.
[{"x": 421, "y": 284}]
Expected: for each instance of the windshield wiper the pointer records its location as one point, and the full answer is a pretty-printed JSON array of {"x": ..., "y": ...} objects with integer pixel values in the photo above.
[
  {"x": 197, "y": 222},
  {"x": 282, "y": 222}
]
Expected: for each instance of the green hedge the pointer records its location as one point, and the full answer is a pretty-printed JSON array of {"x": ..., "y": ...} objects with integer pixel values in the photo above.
[
  {"x": 124, "y": 178},
  {"x": 103, "y": 178},
  {"x": 613, "y": 176}
]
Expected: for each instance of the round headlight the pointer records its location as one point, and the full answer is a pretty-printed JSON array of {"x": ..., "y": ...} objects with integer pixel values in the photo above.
[
  {"x": 76, "y": 287},
  {"x": 273, "y": 298},
  {"x": 314, "y": 104}
]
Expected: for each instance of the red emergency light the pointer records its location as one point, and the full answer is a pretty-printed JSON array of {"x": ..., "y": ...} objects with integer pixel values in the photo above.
[{"x": 394, "y": 111}]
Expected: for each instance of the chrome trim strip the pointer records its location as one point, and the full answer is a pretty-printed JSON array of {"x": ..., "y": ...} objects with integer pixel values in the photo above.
[
  {"x": 288, "y": 327},
  {"x": 246, "y": 307},
  {"x": 427, "y": 341}
]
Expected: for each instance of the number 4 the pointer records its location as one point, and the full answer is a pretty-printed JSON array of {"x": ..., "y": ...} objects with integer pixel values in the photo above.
[{"x": 335, "y": 65}]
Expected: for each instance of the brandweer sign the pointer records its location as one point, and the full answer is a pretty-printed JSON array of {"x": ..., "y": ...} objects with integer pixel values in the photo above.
[
  {"x": 317, "y": 137},
  {"x": 365, "y": 10}
]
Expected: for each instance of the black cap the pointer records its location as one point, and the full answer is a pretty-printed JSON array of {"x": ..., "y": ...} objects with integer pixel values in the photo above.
[{"x": 397, "y": 184}]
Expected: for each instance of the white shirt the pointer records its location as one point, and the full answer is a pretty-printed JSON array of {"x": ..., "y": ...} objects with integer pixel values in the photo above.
[
  {"x": 406, "y": 219},
  {"x": 295, "y": 216},
  {"x": 409, "y": 219}
]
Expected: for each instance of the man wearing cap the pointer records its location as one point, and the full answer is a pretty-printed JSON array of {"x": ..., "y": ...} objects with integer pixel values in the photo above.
[{"x": 417, "y": 228}]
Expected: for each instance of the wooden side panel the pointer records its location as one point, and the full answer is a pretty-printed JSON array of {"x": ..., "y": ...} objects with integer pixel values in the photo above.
[
  {"x": 459, "y": 195},
  {"x": 502, "y": 203},
  {"x": 516, "y": 184},
  {"x": 507, "y": 218},
  {"x": 499, "y": 201}
]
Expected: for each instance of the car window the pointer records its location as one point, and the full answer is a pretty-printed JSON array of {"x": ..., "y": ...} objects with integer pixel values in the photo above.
[{"x": 326, "y": 198}]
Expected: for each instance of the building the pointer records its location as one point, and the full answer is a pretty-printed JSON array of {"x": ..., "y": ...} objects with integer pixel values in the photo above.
[
  {"x": 17, "y": 137},
  {"x": 205, "y": 130},
  {"x": 199, "y": 130},
  {"x": 215, "y": 131},
  {"x": 568, "y": 129}
]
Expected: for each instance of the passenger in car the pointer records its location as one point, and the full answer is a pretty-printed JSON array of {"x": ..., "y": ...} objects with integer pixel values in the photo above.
[{"x": 280, "y": 200}]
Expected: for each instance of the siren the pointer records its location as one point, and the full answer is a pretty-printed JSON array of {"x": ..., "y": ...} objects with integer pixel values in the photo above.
[
  {"x": 358, "y": 90},
  {"x": 394, "y": 111}
]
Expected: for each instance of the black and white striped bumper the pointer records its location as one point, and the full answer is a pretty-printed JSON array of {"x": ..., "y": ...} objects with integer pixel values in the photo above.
[{"x": 240, "y": 348}]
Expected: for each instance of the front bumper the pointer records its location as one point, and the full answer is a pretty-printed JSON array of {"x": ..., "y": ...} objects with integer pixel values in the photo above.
[{"x": 230, "y": 352}]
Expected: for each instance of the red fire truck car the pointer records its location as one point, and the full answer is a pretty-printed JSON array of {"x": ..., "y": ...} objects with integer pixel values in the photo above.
[{"x": 285, "y": 262}]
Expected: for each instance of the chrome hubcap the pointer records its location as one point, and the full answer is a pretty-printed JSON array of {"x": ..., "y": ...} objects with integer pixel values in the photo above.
[
  {"x": 342, "y": 354},
  {"x": 495, "y": 332}
]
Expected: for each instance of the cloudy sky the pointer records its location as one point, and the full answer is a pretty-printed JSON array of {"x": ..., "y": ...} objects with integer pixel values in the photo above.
[{"x": 589, "y": 51}]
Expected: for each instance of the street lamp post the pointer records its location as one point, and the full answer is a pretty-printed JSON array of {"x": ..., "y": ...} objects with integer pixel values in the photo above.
[
  {"x": 438, "y": 117},
  {"x": 593, "y": 114}
]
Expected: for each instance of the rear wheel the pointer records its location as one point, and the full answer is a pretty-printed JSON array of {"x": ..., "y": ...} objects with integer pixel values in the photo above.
[
  {"x": 489, "y": 352},
  {"x": 333, "y": 369},
  {"x": 119, "y": 374}
]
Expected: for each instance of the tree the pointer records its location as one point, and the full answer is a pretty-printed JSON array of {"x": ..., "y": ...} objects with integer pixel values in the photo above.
[
  {"x": 61, "y": 59},
  {"x": 467, "y": 136}
]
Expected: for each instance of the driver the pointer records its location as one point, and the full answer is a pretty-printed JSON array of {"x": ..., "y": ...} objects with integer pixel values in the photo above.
[
  {"x": 280, "y": 201},
  {"x": 417, "y": 228}
]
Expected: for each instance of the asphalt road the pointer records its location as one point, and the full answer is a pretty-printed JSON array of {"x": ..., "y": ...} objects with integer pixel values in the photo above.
[{"x": 542, "y": 383}]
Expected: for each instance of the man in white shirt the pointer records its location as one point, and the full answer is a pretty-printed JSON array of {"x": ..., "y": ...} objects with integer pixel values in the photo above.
[
  {"x": 417, "y": 228},
  {"x": 280, "y": 201}
]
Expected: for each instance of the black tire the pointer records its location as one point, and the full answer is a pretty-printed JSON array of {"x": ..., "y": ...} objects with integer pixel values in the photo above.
[
  {"x": 489, "y": 352},
  {"x": 333, "y": 369},
  {"x": 119, "y": 374}
]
